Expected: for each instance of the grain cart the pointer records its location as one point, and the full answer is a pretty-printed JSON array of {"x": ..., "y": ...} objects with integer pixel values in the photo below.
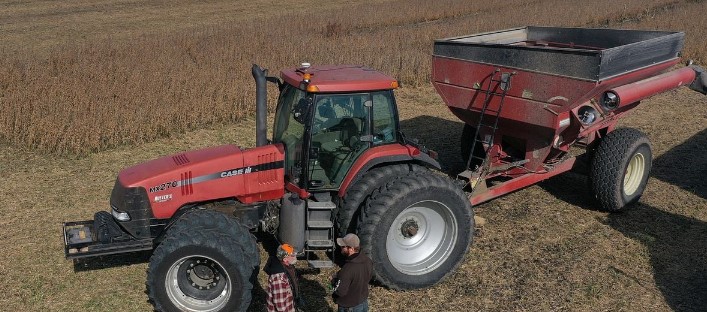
[
  {"x": 528, "y": 95},
  {"x": 338, "y": 162}
]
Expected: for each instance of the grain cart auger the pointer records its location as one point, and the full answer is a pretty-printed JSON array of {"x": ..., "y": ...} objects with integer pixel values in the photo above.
[
  {"x": 528, "y": 95},
  {"x": 338, "y": 163}
]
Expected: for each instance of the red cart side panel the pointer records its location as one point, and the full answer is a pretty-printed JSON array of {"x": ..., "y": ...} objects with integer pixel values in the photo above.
[
  {"x": 534, "y": 98},
  {"x": 533, "y": 86},
  {"x": 213, "y": 173}
]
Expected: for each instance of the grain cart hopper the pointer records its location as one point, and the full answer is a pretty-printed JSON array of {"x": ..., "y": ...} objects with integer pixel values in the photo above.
[
  {"x": 528, "y": 95},
  {"x": 338, "y": 163}
]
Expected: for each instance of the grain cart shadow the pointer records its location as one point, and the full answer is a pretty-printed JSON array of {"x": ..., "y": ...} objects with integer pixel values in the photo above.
[
  {"x": 685, "y": 165},
  {"x": 440, "y": 135},
  {"x": 678, "y": 251}
]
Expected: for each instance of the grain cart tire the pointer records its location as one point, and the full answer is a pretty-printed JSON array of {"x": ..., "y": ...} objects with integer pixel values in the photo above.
[
  {"x": 357, "y": 194},
  {"x": 467, "y": 139},
  {"x": 417, "y": 230},
  {"x": 620, "y": 168},
  {"x": 207, "y": 262}
]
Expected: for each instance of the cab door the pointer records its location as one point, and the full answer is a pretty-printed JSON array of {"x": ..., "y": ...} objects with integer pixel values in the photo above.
[
  {"x": 341, "y": 132},
  {"x": 290, "y": 128}
]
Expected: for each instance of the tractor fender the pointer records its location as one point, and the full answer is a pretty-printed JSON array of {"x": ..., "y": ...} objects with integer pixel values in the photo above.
[{"x": 385, "y": 154}]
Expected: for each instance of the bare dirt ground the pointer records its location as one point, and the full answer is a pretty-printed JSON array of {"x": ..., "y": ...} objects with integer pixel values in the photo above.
[{"x": 543, "y": 248}]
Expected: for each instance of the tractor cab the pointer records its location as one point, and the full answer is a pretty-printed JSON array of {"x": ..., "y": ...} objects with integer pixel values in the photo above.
[{"x": 327, "y": 116}]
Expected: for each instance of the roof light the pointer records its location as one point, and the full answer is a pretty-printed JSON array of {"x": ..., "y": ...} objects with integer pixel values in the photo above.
[
  {"x": 312, "y": 88},
  {"x": 394, "y": 84},
  {"x": 306, "y": 77}
]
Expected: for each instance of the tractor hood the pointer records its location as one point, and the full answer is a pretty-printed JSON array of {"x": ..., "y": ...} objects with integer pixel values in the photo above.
[{"x": 209, "y": 174}]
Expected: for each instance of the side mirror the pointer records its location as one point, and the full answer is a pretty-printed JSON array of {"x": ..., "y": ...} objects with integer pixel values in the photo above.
[{"x": 301, "y": 109}]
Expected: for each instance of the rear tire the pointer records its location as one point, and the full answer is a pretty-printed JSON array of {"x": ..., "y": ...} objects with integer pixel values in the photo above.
[
  {"x": 207, "y": 262},
  {"x": 357, "y": 194},
  {"x": 417, "y": 230},
  {"x": 620, "y": 168}
]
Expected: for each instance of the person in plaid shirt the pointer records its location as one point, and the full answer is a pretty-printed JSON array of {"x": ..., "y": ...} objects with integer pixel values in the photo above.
[{"x": 282, "y": 289}]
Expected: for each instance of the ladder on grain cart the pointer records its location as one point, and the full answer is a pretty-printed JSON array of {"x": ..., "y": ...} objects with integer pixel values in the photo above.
[{"x": 488, "y": 119}]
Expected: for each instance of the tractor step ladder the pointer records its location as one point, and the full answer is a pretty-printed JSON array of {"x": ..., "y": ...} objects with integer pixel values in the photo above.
[
  {"x": 488, "y": 119},
  {"x": 320, "y": 230}
]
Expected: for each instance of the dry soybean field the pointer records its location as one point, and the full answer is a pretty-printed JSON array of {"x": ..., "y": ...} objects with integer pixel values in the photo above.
[{"x": 90, "y": 87}]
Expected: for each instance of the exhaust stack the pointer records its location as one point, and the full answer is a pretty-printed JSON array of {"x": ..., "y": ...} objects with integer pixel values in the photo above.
[{"x": 261, "y": 108}]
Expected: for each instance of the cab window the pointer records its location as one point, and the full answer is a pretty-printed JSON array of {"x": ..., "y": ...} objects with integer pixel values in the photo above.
[
  {"x": 289, "y": 131},
  {"x": 383, "y": 118}
]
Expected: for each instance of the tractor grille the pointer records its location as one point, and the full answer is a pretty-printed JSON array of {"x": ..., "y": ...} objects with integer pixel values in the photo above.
[
  {"x": 134, "y": 201},
  {"x": 180, "y": 159}
]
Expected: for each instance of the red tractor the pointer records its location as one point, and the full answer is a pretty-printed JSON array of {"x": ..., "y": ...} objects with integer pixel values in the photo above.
[
  {"x": 336, "y": 140},
  {"x": 338, "y": 162}
]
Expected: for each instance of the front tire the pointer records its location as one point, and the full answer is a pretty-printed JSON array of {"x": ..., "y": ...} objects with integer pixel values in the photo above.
[
  {"x": 207, "y": 262},
  {"x": 417, "y": 230},
  {"x": 620, "y": 168}
]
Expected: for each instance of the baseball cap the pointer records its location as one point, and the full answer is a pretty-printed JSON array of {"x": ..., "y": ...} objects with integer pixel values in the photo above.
[
  {"x": 285, "y": 250},
  {"x": 350, "y": 240}
]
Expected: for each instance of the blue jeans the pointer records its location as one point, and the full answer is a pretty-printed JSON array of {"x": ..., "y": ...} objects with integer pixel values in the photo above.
[{"x": 363, "y": 307}]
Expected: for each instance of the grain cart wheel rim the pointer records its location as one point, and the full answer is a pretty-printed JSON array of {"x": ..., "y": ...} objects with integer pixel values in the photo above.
[
  {"x": 634, "y": 174},
  {"x": 198, "y": 284},
  {"x": 421, "y": 237},
  {"x": 416, "y": 229}
]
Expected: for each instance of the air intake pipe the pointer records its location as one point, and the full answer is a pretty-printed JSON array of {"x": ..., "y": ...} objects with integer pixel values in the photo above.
[{"x": 261, "y": 106}]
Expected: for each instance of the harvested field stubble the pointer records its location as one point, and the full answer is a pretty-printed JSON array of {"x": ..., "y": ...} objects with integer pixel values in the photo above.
[
  {"x": 544, "y": 248},
  {"x": 90, "y": 95}
]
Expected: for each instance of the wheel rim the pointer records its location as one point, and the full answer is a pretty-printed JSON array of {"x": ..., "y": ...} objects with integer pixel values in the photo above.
[
  {"x": 198, "y": 283},
  {"x": 634, "y": 174},
  {"x": 421, "y": 237}
]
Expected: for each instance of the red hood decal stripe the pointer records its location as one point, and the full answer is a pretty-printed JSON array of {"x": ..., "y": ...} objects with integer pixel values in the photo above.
[{"x": 218, "y": 175}]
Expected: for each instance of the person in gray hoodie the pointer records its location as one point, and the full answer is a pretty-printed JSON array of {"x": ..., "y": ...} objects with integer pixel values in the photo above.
[{"x": 350, "y": 284}]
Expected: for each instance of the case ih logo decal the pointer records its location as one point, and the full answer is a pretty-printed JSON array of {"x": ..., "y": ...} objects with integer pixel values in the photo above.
[
  {"x": 164, "y": 186},
  {"x": 213, "y": 176},
  {"x": 236, "y": 172}
]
